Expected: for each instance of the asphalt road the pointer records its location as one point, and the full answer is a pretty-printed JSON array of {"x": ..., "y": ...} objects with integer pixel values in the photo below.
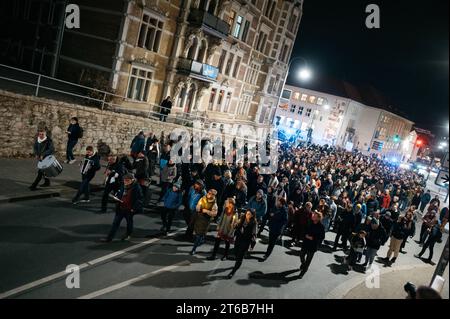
[{"x": 40, "y": 238}]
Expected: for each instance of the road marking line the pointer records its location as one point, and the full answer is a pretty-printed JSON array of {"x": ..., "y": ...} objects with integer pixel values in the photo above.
[
  {"x": 85, "y": 265},
  {"x": 133, "y": 280}
]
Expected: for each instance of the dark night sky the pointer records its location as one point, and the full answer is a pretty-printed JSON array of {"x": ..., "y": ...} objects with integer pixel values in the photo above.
[{"x": 407, "y": 59}]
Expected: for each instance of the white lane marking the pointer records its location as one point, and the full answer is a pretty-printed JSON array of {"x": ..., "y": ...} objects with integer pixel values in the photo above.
[
  {"x": 133, "y": 280},
  {"x": 85, "y": 265}
]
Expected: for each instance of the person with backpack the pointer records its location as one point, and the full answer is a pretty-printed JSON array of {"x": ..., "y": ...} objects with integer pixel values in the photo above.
[
  {"x": 435, "y": 235},
  {"x": 88, "y": 168},
  {"x": 74, "y": 132},
  {"x": 376, "y": 237}
]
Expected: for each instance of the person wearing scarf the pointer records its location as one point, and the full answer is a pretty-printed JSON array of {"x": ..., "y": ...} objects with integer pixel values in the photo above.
[
  {"x": 225, "y": 228},
  {"x": 43, "y": 147},
  {"x": 206, "y": 211}
]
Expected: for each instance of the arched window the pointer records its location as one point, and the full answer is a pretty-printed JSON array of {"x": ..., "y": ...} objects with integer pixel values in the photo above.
[
  {"x": 190, "y": 99},
  {"x": 212, "y": 7}
]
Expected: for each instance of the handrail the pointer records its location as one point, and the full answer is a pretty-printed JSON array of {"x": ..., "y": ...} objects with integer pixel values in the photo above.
[{"x": 185, "y": 118}]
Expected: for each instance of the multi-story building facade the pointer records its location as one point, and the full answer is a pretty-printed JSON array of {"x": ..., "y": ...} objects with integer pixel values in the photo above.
[
  {"x": 223, "y": 61},
  {"x": 344, "y": 122}
]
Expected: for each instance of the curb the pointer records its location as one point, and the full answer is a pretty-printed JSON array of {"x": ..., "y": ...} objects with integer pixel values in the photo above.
[{"x": 343, "y": 289}]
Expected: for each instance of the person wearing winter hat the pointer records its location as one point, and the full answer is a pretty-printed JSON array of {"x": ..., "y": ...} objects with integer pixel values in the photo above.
[
  {"x": 172, "y": 201},
  {"x": 196, "y": 192},
  {"x": 225, "y": 228},
  {"x": 206, "y": 211},
  {"x": 129, "y": 202}
]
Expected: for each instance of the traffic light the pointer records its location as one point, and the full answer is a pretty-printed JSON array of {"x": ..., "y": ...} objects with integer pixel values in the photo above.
[
  {"x": 419, "y": 143},
  {"x": 396, "y": 139}
]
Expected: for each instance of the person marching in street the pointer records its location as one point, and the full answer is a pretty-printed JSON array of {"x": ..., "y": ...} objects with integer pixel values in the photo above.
[
  {"x": 277, "y": 222},
  {"x": 376, "y": 237},
  {"x": 89, "y": 167},
  {"x": 195, "y": 193},
  {"x": 357, "y": 245},
  {"x": 137, "y": 145},
  {"x": 114, "y": 179},
  {"x": 140, "y": 166},
  {"x": 345, "y": 226},
  {"x": 153, "y": 151},
  {"x": 245, "y": 236},
  {"x": 129, "y": 203},
  {"x": 314, "y": 235},
  {"x": 43, "y": 147},
  {"x": 427, "y": 223},
  {"x": 225, "y": 228},
  {"x": 412, "y": 231},
  {"x": 172, "y": 202},
  {"x": 259, "y": 204},
  {"x": 400, "y": 228},
  {"x": 424, "y": 200},
  {"x": 74, "y": 132},
  {"x": 206, "y": 211},
  {"x": 168, "y": 174},
  {"x": 435, "y": 235}
]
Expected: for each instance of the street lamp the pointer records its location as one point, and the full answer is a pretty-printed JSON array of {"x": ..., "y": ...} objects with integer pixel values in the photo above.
[{"x": 305, "y": 74}]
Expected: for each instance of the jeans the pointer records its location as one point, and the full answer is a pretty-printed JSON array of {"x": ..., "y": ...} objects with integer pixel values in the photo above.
[
  {"x": 84, "y": 187},
  {"x": 116, "y": 223},
  {"x": 167, "y": 217},
  {"x": 272, "y": 241},
  {"x": 370, "y": 255},
  {"x": 198, "y": 241},
  {"x": 326, "y": 223},
  {"x": 39, "y": 176},
  {"x": 69, "y": 152}
]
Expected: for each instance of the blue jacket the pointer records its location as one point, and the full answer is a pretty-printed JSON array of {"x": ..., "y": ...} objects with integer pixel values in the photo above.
[
  {"x": 138, "y": 144},
  {"x": 194, "y": 197},
  {"x": 172, "y": 200},
  {"x": 259, "y": 207}
]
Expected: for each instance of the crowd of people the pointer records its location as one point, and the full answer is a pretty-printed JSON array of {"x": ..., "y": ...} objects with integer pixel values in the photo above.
[{"x": 365, "y": 201}]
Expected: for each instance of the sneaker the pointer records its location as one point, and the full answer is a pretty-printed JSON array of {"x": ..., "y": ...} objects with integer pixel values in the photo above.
[
  {"x": 86, "y": 200},
  {"x": 126, "y": 238},
  {"x": 72, "y": 161}
]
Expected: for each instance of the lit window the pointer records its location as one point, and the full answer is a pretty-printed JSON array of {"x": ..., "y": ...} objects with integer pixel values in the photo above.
[
  {"x": 312, "y": 99},
  {"x": 320, "y": 101},
  {"x": 297, "y": 95},
  {"x": 304, "y": 97}
]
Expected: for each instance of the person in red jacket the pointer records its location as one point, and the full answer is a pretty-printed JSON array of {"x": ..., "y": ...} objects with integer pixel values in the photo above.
[{"x": 386, "y": 200}]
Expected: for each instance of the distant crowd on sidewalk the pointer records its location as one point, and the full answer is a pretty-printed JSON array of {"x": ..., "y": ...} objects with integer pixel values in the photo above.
[{"x": 316, "y": 189}]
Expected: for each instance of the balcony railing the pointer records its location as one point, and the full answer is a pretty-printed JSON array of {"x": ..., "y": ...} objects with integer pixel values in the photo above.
[
  {"x": 203, "y": 18},
  {"x": 203, "y": 71}
]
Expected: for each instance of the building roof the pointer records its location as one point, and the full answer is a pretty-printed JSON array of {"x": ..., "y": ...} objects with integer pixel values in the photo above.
[{"x": 364, "y": 94}]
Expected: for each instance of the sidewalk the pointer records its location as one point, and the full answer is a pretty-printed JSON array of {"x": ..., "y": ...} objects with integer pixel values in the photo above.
[
  {"x": 16, "y": 175},
  {"x": 392, "y": 282}
]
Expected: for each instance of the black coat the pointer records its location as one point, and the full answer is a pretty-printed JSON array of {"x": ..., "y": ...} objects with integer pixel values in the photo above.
[
  {"x": 317, "y": 232},
  {"x": 75, "y": 131},
  {"x": 141, "y": 166},
  {"x": 44, "y": 149},
  {"x": 376, "y": 237}
]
